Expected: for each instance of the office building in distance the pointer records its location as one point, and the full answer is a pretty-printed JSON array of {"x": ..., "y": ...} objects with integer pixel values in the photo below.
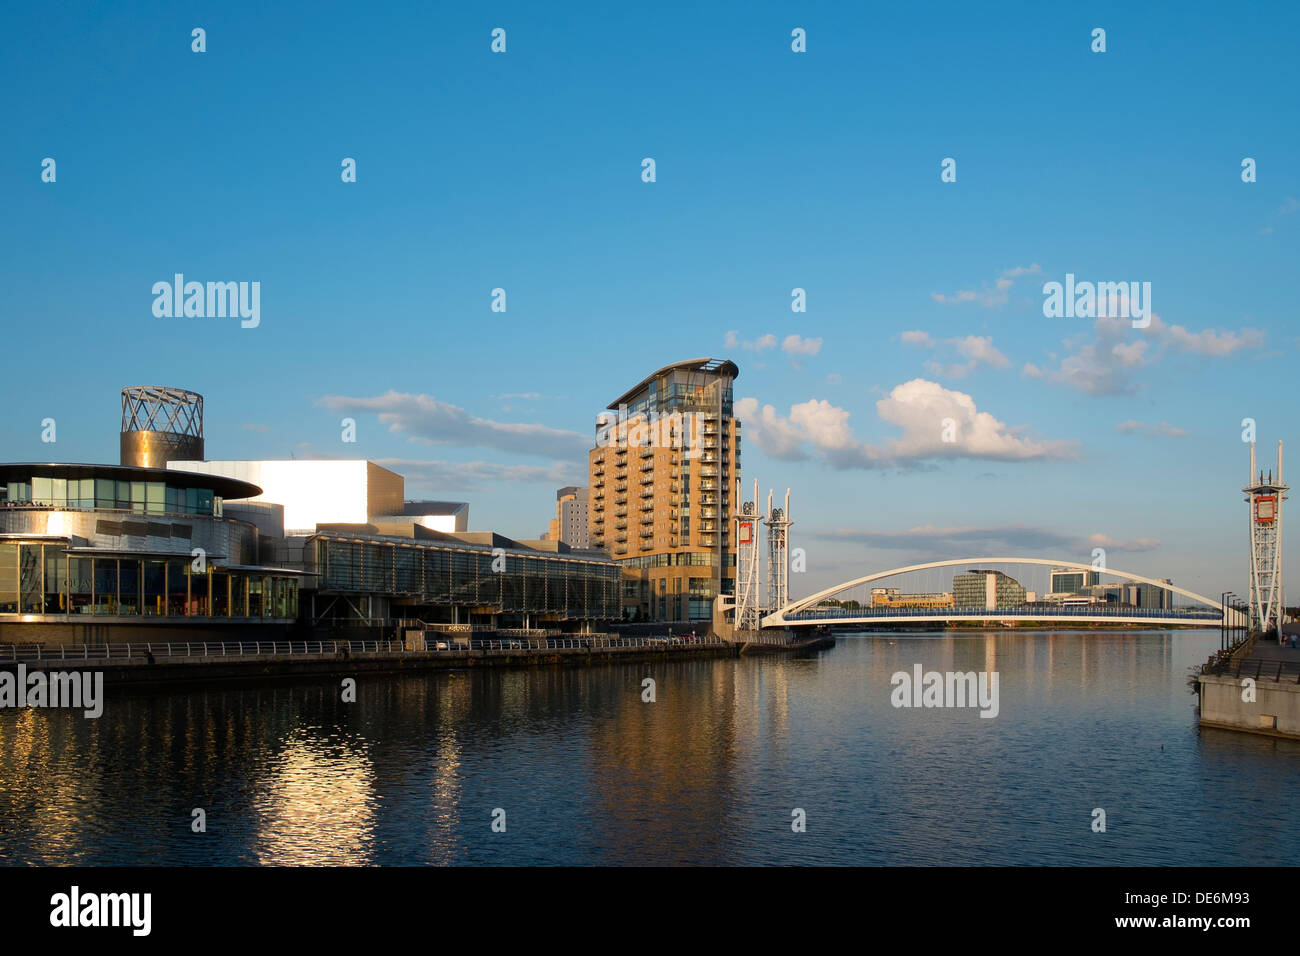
[
  {"x": 570, "y": 524},
  {"x": 986, "y": 589},
  {"x": 1072, "y": 580}
]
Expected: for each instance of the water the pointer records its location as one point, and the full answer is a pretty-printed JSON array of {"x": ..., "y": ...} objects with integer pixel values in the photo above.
[{"x": 589, "y": 774}]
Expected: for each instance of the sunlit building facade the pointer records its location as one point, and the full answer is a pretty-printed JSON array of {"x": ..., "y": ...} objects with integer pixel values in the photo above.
[{"x": 662, "y": 480}]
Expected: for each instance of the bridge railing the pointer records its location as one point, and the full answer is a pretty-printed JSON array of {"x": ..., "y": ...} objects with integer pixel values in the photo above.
[{"x": 1021, "y": 611}]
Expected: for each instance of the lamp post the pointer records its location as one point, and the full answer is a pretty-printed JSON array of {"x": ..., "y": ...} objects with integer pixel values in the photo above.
[{"x": 1233, "y": 604}]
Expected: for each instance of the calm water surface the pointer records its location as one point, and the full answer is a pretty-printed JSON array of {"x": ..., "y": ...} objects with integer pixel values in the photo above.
[{"x": 589, "y": 774}]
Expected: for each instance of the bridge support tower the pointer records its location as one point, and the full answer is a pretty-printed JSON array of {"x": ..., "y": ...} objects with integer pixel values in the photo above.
[{"x": 1265, "y": 496}]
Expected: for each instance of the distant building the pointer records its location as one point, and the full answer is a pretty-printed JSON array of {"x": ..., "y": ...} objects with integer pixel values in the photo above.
[
  {"x": 570, "y": 522},
  {"x": 1148, "y": 595},
  {"x": 449, "y": 517},
  {"x": 987, "y": 589},
  {"x": 1072, "y": 580},
  {"x": 892, "y": 597}
]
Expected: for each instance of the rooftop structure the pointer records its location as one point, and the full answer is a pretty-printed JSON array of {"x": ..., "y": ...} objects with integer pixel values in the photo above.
[{"x": 160, "y": 424}]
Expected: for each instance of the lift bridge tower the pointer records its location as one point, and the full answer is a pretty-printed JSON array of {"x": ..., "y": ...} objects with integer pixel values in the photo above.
[
  {"x": 748, "y": 596},
  {"x": 778, "y": 553},
  {"x": 1265, "y": 496}
]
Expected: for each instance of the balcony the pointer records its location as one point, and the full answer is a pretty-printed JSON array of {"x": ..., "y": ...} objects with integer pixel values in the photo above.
[
  {"x": 647, "y": 533},
  {"x": 620, "y": 525},
  {"x": 648, "y": 506},
  {"x": 708, "y": 471}
]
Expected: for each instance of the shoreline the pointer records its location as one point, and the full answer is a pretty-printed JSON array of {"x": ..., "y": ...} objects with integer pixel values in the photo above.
[{"x": 140, "y": 671}]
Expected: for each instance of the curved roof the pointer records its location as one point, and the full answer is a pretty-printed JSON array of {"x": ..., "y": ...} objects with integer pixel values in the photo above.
[
  {"x": 230, "y": 488},
  {"x": 719, "y": 366}
]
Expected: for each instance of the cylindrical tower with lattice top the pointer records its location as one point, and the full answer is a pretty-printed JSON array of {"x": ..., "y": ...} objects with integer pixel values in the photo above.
[{"x": 161, "y": 424}]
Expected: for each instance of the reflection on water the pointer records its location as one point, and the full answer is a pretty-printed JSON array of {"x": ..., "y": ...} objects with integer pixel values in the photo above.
[{"x": 709, "y": 773}]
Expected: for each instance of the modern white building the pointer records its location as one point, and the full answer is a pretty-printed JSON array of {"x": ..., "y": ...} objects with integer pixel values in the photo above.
[{"x": 314, "y": 492}]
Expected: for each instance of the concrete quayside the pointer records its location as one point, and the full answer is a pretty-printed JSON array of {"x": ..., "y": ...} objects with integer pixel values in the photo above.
[{"x": 199, "y": 662}]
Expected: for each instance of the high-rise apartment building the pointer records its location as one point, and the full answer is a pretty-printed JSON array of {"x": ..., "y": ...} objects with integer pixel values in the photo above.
[
  {"x": 570, "y": 523},
  {"x": 663, "y": 479}
]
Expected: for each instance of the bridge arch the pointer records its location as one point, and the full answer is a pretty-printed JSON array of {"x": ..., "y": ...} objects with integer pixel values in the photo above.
[{"x": 778, "y": 618}]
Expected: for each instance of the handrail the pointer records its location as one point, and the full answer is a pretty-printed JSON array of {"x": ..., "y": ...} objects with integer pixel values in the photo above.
[{"x": 135, "y": 651}]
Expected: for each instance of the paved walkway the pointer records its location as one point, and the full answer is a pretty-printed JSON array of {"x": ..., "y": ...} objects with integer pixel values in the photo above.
[{"x": 1265, "y": 651}]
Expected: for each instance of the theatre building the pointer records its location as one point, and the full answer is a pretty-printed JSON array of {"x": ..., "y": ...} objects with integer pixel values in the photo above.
[{"x": 116, "y": 553}]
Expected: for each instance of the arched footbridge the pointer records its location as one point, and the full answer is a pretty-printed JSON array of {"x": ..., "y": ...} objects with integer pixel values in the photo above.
[{"x": 831, "y": 607}]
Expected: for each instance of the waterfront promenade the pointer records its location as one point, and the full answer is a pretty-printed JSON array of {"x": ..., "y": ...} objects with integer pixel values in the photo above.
[{"x": 159, "y": 663}]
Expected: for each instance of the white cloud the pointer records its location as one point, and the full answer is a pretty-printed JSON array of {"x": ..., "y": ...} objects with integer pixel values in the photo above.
[
  {"x": 1122, "y": 544},
  {"x": 795, "y": 345},
  {"x": 918, "y": 337},
  {"x": 976, "y": 349},
  {"x": 438, "y": 477},
  {"x": 947, "y": 541},
  {"x": 1132, "y": 427},
  {"x": 426, "y": 420},
  {"x": 1207, "y": 342},
  {"x": 919, "y": 409},
  {"x": 1105, "y": 364},
  {"x": 989, "y": 296},
  {"x": 760, "y": 344}
]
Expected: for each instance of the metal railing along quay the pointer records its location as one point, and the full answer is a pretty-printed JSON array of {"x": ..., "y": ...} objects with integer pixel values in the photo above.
[
  {"x": 1255, "y": 668},
  {"x": 181, "y": 650}
]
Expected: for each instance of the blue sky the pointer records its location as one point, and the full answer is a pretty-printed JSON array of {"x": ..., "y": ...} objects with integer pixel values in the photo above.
[{"x": 775, "y": 170}]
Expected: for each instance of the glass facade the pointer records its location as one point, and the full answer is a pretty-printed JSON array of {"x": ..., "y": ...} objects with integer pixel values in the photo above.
[
  {"x": 142, "y": 497},
  {"x": 507, "y": 582},
  {"x": 971, "y": 590},
  {"x": 1066, "y": 581},
  {"x": 42, "y": 578}
]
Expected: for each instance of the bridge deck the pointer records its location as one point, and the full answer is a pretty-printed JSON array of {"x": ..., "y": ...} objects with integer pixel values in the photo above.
[{"x": 1208, "y": 616}]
